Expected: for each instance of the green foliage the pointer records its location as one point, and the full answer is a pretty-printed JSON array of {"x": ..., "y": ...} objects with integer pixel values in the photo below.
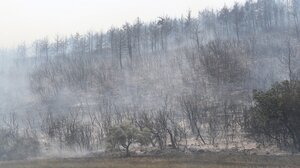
[
  {"x": 125, "y": 135},
  {"x": 276, "y": 114}
]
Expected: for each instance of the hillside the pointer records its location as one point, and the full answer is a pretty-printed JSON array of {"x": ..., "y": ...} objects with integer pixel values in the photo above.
[{"x": 171, "y": 83}]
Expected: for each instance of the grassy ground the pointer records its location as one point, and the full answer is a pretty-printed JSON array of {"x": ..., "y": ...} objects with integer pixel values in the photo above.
[{"x": 205, "y": 160}]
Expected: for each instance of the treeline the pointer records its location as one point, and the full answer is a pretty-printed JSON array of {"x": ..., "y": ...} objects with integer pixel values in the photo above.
[
  {"x": 240, "y": 22},
  {"x": 255, "y": 31}
]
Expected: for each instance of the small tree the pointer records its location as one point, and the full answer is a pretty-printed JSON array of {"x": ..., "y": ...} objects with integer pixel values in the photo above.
[
  {"x": 276, "y": 114},
  {"x": 125, "y": 135}
]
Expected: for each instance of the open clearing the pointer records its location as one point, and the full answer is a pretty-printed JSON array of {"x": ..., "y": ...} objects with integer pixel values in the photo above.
[{"x": 204, "y": 160}]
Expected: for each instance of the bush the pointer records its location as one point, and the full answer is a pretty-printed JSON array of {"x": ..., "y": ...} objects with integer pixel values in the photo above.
[
  {"x": 13, "y": 146},
  {"x": 276, "y": 114},
  {"x": 125, "y": 135}
]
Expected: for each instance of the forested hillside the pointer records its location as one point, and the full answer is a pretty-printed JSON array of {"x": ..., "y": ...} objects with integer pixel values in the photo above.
[{"x": 162, "y": 83}]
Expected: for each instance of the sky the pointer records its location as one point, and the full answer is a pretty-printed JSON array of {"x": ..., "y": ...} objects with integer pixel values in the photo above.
[{"x": 28, "y": 20}]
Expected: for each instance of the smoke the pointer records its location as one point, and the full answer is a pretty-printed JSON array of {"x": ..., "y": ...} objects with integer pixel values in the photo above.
[{"x": 65, "y": 94}]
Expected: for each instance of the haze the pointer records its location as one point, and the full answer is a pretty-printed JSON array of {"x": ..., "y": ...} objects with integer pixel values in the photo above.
[
  {"x": 27, "y": 20},
  {"x": 170, "y": 89}
]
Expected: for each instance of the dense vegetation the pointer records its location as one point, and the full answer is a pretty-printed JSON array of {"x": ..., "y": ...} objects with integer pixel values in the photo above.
[{"x": 275, "y": 116}]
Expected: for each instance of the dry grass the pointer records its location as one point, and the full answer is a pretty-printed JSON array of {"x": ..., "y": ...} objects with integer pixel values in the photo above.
[{"x": 205, "y": 160}]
